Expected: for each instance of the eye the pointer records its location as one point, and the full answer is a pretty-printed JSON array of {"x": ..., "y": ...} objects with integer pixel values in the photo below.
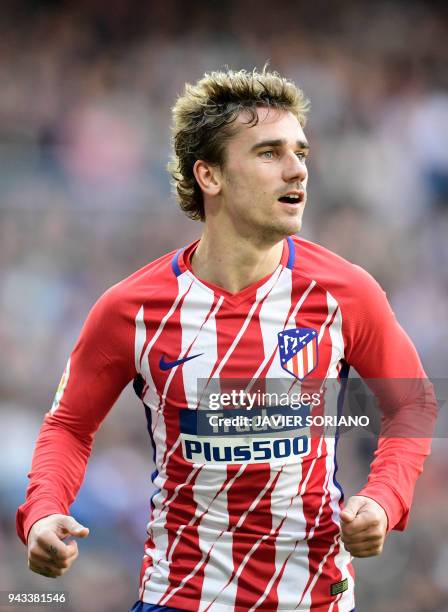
[
  {"x": 301, "y": 155},
  {"x": 267, "y": 154}
]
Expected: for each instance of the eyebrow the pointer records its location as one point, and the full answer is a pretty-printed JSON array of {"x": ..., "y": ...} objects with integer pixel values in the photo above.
[{"x": 280, "y": 142}]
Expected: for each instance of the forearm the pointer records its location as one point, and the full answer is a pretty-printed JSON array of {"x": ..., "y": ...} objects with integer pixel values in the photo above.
[
  {"x": 404, "y": 444},
  {"x": 57, "y": 471},
  {"x": 393, "y": 474}
]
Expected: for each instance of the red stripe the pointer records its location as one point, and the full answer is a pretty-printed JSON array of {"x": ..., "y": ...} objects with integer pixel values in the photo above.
[{"x": 304, "y": 353}]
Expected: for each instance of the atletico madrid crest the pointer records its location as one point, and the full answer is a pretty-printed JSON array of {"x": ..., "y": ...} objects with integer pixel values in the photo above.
[{"x": 298, "y": 351}]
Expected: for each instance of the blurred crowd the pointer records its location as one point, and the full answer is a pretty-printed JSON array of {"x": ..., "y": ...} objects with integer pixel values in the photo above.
[{"x": 86, "y": 92}]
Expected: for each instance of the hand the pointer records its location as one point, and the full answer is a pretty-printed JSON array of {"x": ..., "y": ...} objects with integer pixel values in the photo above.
[
  {"x": 48, "y": 554},
  {"x": 363, "y": 526}
]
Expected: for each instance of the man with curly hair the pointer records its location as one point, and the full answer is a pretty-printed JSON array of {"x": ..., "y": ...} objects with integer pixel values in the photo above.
[{"x": 247, "y": 513}]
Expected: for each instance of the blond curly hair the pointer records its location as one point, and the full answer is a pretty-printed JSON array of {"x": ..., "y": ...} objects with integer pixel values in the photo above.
[{"x": 203, "y": 119}]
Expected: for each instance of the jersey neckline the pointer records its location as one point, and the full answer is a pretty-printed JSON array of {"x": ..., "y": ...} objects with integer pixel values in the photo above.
[{"x": 181, "y": 264}]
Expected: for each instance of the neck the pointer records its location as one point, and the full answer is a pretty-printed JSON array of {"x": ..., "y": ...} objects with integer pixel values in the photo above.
[{"x": 234, "y": 266}]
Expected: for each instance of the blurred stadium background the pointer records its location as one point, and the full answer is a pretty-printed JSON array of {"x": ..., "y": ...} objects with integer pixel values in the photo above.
[{"x": 86, "y": 91}]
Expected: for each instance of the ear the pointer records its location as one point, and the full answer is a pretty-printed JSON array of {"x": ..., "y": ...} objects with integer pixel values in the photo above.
[{"x": 208, "y": 177}]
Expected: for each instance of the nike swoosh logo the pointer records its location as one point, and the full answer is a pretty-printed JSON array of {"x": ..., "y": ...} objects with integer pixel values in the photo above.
[{"x": 167, "y": 365}]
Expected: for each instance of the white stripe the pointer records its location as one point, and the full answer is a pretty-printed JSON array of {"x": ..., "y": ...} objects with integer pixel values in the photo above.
[
  {"x": 140, "y": 337},
  {"x": 197, "y": 371},
  {"x": 61, "y": 388},
  {"x": 332, "y": 305},
  {"x": 154, "y": 553},
  {"x": 184, "y": 284},
  {"x": 193, "y": 314},
  {"x": 151, "y": 399},
  {"x": 300, "y": 368},
  {"x": 280, "y": 299},
  {"x": 219, "y": 568},
  {"x": 155, "y": 403}
]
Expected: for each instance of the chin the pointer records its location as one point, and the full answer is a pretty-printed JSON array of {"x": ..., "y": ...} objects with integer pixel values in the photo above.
[
  {"x": 282, "y": 230},
  {"x": 293, "y": 226},
  {"x": 290, "y": 223}
]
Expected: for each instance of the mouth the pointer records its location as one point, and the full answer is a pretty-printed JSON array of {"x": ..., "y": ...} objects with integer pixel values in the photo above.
[{"x": 293, "y": 197}]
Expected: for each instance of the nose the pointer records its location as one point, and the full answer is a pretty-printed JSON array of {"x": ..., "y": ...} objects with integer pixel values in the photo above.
[{"x": 294, "y": 169}]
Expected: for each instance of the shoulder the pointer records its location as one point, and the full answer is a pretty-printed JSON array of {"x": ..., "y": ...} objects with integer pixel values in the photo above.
[{"x": 343, "y": 279}]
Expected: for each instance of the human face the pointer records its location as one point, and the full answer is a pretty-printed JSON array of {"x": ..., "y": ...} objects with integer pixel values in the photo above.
[{"x": 263, "y": 164}]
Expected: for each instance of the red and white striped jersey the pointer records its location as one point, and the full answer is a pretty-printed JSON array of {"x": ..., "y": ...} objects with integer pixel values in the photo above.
[{"x": 243, "y": 517}]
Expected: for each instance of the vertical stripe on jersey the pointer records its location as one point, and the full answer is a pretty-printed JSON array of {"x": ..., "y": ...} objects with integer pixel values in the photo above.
[
  {"x": 140, "y": 338},
  {"x": 198, "y": 371},
  {"x": 168, "y": 439},
  {"x": 280, "y": 299},
  {"x": 205, "y": 307},
  {"x": 341, "y": 557},
  {"x": 152, "y": 400},
  {"x": 327, "y": 571},
  {"x": 320, "y": 548},
  {"x": 201, "y": 305},
  {"x": 205, "y": 345},
  {"x": 151, "y": 397}
]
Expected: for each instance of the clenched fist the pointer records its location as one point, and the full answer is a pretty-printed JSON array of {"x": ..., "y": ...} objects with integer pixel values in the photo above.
[
  {"x": 363, "y": 526},
  {"x": 48, "y": 554}
]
